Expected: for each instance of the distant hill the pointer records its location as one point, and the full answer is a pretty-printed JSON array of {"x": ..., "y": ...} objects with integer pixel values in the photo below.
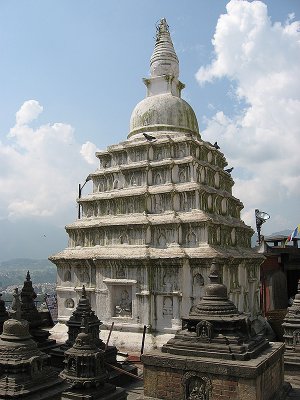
[
  {"x": 25, "y": 263},
  {"x": 13, "y": 272}
]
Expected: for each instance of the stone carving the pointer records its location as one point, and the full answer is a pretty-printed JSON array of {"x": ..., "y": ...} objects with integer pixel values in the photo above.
[
  {"x": 83, "y": 275},
  {"x": 296, "y": 338},
  {"x": 123, "y": 309},
  {"x": 197, "y": 387},
  {"x": 167, "y": 307},
  {"x": 204, "y": 330},
  {"x": 69, "y": 303}
]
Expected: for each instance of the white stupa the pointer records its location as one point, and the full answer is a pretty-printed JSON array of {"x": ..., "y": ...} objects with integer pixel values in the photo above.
[{"x": 160, "y": 212}]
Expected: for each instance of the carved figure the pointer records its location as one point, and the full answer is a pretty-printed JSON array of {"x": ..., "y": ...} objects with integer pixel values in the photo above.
[
  {"x": 124, "y": 307},
  {"x": 204, "y": 330},
  {"x": 167, "y": 307}
]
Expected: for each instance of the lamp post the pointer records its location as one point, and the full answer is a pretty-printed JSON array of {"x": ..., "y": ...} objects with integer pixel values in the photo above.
[
  {"x": 80, "y": 187},
  {"x": 260, "y": 217}
]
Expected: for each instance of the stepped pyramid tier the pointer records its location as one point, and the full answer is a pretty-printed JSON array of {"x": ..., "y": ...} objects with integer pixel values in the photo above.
[
  {"x": 291, "y": 326},
  {"x": 23, "y": 367},
  {"x": 216, "y": 329},
  {"x": 85, "y": 369},
  {"x": 161, "y": 209}
]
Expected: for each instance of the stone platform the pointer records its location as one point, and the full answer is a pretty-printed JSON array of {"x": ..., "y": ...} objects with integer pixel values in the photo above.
[{"x": 166, "y": 376}]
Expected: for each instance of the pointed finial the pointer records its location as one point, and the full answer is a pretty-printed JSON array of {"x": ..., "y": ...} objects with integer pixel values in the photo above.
[
  {"x": 164, "y": 60},
  {"x": 28, "y": 276},
  {"x": 162, "y": 27},
  {"x": 83, "y": 293},
  {"x": 84, "y": 324},
  {"x": 214, "y": 273}
]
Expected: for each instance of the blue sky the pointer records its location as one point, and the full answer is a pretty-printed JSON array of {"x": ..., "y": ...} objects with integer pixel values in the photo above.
[{"x": 81, "y": 64}]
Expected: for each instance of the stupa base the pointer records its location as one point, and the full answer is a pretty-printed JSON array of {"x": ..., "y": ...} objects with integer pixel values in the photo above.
[
  {"x": 169, "y": 376},
  {"x": 106, "y": 392}
]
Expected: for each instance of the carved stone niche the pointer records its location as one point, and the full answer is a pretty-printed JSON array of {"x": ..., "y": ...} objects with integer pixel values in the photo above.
[
  {"x": 122, "y": 293},
  {"x": 196, "y": 386},
  {"x": 204, "y": 331}
]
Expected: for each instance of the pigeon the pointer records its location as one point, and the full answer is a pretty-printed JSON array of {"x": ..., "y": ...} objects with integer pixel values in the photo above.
[
  {"x": 229, "y": 170},
  {"x": 149, "y": 137},
  {"x": 216, "y": 146}
]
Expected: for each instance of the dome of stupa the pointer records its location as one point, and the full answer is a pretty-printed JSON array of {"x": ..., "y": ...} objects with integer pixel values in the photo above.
[
  {"x": 163, "y": 110},
  {"x": 13, "y": 328}
]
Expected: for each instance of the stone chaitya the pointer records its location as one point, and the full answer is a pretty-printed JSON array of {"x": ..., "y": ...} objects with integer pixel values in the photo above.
[
  {"x": 3, "y": 313},
  {"x": 74, "y": 327},
  {"x": 161, "y": 209},
  {"x": 31, "y": 314},
  {"x": 215, "y": 353},
  {"x": 24, "y": 372},
  {"x": 85, "y": 370},
  {"x": 83, "y": 309},
  {"x": 291, "y": 326}
]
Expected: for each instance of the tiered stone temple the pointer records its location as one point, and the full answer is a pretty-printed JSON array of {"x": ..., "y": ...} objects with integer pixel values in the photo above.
[
  {"x": 215, "y": 356},
  {"x": 24, "y": 372},
  {"x": 291, "y": 326},
  {"x": 85, "y": 370},
  {"x": 161, "y": 209}
]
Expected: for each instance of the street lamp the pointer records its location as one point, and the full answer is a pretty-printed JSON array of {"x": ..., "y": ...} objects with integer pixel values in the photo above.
[
  {"x": 261, "y": 217},
  {"x": 80, "y": 187}
]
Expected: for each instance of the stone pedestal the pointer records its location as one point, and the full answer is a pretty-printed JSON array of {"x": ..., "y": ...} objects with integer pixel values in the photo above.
[{"x": 168, "y": 376}]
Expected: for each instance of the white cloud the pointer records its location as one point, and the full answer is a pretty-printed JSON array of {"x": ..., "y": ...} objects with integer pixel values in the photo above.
[
  {"x": 29, "y": 111},
  {"x": 262, "y": 141},
  {"x": 41, "y": 168},
  {"x": 87, "y": 151}
]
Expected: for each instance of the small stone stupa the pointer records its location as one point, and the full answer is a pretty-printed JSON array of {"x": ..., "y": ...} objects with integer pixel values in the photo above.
[
  {"x": 3, "y": 313},
  {"x": 23, "y": 367},
  {"x": 93, "y": 322},
  {"x": 31, "y": 314},
  {"x": 215, "y": 352},
  {"x": 291, "y": 326},
  {"x": 85, "y": 370},
  {"x": 74, "y": 327}
]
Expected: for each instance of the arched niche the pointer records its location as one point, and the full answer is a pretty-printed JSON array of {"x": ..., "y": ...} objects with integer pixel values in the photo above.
[
  {"x": 67, "y": 276},
  {"x": 217, "y": 180},
  {"x": 69, "y": 303},
  {"x": 209, "y": 202},
  {"x": 209, "y": 156},
  {"x": 224, "y": 206}
]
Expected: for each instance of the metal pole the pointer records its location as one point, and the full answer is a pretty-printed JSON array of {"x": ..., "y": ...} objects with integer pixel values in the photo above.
[
  {"x": 79, "y": 196},
  {"x": 143, "y": 340},
  {"x": 110, "y": 331}
]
